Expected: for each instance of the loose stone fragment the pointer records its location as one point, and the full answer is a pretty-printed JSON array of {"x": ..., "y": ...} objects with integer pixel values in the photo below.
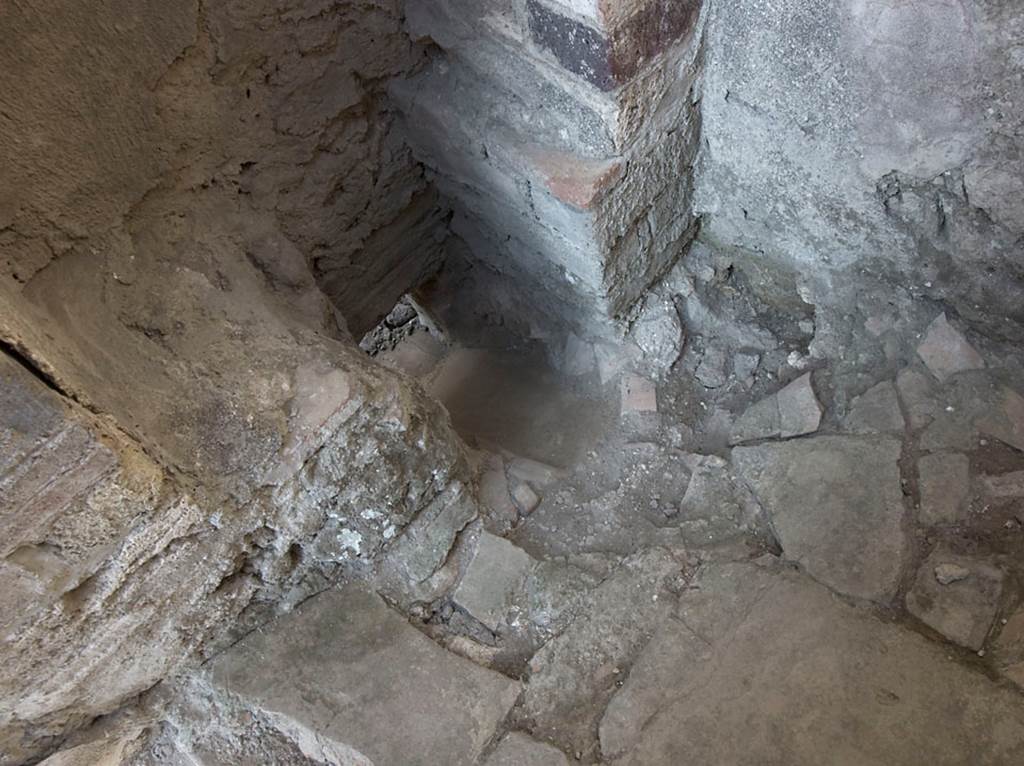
[
  {"x": 945, "y": 480},
  {"x": 947, "y": 573},
  {"x": 525, "y": 498},
  {"x": 799, "y": 410},
  {"x": 964, "y": 607},
  {"x": 638, "y": 394},
  {"x": 946, "y": 352},
  {"x": 1007, "y": 422}
]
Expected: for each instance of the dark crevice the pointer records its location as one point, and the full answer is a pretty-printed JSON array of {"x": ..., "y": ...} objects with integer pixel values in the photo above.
[{"x": 21, "y": 357}]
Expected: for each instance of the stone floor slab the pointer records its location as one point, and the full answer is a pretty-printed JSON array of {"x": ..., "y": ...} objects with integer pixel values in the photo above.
[
  {"x": 348, "y": 669},
  {"x": 764, "y": 666},
  {"x": 836, "y": 505}
]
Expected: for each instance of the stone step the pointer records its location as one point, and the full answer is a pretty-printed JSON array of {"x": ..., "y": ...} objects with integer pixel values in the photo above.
[{"x": 347, "y": 677}]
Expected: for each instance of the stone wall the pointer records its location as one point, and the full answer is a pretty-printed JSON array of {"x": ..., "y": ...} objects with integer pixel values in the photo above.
[
  {"x": 189, "y": 439},
  {"x": 872, "y": 142},
  {"x": 564, "y": 135}
]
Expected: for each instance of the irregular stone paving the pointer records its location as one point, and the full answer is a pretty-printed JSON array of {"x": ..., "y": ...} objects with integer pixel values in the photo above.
[
  {"x": 354, "y": 674},
  {"x": 959, "y": 596},
  {"x": 836, "y": 504},
  {"x": 760, "y": 665}
]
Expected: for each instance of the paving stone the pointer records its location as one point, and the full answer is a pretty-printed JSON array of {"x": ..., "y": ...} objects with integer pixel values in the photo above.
[
  {"x": 1006, "y": 423},
  {"x": 574, "y": 675},
  {"x": 963, "y": 609},
  {"x": 917, "y": 393},
  {"x": 759, "y": 421},
  {"x": 836, "y": 504},
  {"x": 799, "y": 409},
  {"x": 518, "y": 749},
  {"x": 792, "y": 411},
  {"x": 945, "y": 482},
  {"x": 946, "y": 352},
  {"x": 638, "y": 394},
  {"x": 876, "y": 411},
  {"x": 348, "y": 670},
  {"x": 495, "y": 573},
  {"x": 525, "y": 498},
  {"x": 765, "y": 666},
  {"x": 1004, "y": 485},
  {"x": 1009, "y": 648}
]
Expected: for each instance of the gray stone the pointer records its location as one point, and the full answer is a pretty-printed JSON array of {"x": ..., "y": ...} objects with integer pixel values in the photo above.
[
  {"x": 574, "y": 675},
  {"x": 947, "y": 573},
  {"x": 711, "y": 370},
  {"x": 658, "y": 333},
  {"x": 946, "y": 352},
  {"x": 792, "y": 675},
  {"x": 917, "y": 393},
  {"x": 356, "y": 676},
  {"x": 112, "y": 751},
  {"x": 1004, "y": 485},
  {"x": 799, "y": 409},
  {"x": 1009, "y": 648},
  {"x": 945, "y": 482},
  {"x": 792, "y": 411},
  {"x": 961, "y": 609},
  {"x": 759, "y": 421},
  {"x": 517, "y": 749},
  {"x": 495, "y": 573},
  {"x": 836, "y": 505},
  {"x": 877, "y": 410},
  {"x": 1007, "y": 422},
  {"x": 744, "y": 365}
]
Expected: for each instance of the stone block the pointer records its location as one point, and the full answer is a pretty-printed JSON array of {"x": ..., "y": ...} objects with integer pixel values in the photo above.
[
  {"x": 494, "y": 575},
  {"x": 792, "y": 411},
  {"x": 354, "y": 675}
]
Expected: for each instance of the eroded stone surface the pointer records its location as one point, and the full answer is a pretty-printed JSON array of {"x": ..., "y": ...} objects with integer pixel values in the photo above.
[
  {"x": 348, "y": 669},
  {"x": 964, "y": 607},
  {"x": 836, "y": 505},
  {"x": 945, "y": 481},
  {"x": 806, "y": 679}
]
